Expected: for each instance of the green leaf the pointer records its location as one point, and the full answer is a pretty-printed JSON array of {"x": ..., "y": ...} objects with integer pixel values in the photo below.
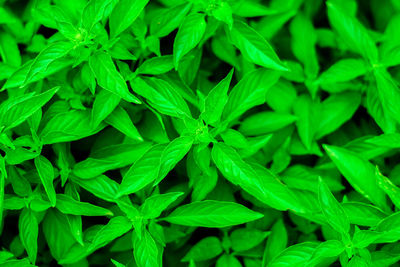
[
  {"x": 249, "y": 92},
  {"x": 68, "y": 126},
  {"x": 115, "y": 228},
  {"x": 156, "y": 204},
  {"x": 68, "y": 205},
  {"x": 211, "y": 213},
  {"x": 234, "y": 138},
  {"x": 169, "y": 19},
  {"x": 58, "y": 239},
  {"x": 389, "y": 188},
  {"x": 104, "y": 104},
  {"x": 16, "y": 110},
  {"x": 327, "y": 249},
  {"x": 124, "y": 14},
  {"x": 389, "y": 227},
  {"x": 120, "y": 120},
  {"x": 308, "y": 113},
  {"x": 156, "y": 65},
  {"x": 216, "y": 99},
  {"x": 359, "y": 173},
  {"x": 332, "y": 210},
  {"x": 296, "y": 255},
  {"x": 336, "y": 110},
  {"x": 343, "y": 70},
  {"x": 9, "y": 51},
  {"x": 28, "y": 231},
  {"x": 363, "y": 214},
  {"x": 265, "y": 122},
  {"x": 351, "y": 31},
  {"x": 101, "y": 186},
  {"x": 276, "y": 242},
  {"x": 304, "y": 39},
  {"x": 228, "y": 260},
  {"x": 256, "y": 180},
  {"x": 207, "y": 248},
  {"x": 189, "y": 35},
  {"x": 46, "y": 173},
  {"x": 389, "y": 93},
  {"x": 94, "y": 12},
  {"x": 162, "y": 96},
  {"x": 243, "y": 239},
  {"x": 109, "y": 78},
  {"x": 143, "y": 172},
  {"x": 364, "y": 238},
  {"x": 46, "y": 57},
  {"x": 145, "y": 250},
  {"x": 117, "y": 264},
  {"x": 254, "y": 47},
  {"x": 172, "y": 154}
]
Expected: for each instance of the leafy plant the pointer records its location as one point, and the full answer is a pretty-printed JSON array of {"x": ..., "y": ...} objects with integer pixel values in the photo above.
[{"x": 220, "y": 133}]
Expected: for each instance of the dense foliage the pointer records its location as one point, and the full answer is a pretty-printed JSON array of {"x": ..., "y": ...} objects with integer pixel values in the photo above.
[{"x": 219, "y": 133}]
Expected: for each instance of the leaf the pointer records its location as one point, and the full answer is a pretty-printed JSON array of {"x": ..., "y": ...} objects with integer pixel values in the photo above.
[
  {"x": 234, "y": 139},
  {"x": 9, "y": 51},
  {"x": 68, "y": 205},
  {"x": 188, "y": 36},
  {"x": 332, "y": 210},
  {"x": 327, "y": 249},
  {"x": 46, "y": 173},
  {"x": 308, "y": 114},
  {"x": 207, "y": 248},
  {"x": 169, "y": 19},
  {"x": 145, "y": 250},
  {"x": 363, "y": 214},
  {"x": 343, "y": 70},
  {"x": 389, "y": 188},
  {"x": 336, "y": 110},
  {"x": 228, "y": 260},
  {"x": 377, "y": 111},
  {"x": 389, "y": 93},
  {"x": 389, "y": 227},
  {"x": 215, "y": 101},
  {"x": 117, "y": 264},
  {"x": 143, "y": 172},
  {"x": 255, "y": 180},
  {"x": 156, "y": 204},
  {"x": 46, "y": 57},
  {"x": 28, "y": 231},
  {"x": 94, "y": 12},
  {"x": 172, "y": 154},
  {"x": 121, "y": 121},
  {"x": 243, "y": 239},
  {"x": 15, "y": 111},
  {"x": 254, "y": 47},
  {"x": 156, "y": 65},
  {"x": 276, "y": 242},
  {"x": 265, "y": 122},
  {"x": 100, "y": 186},
  {"x": 249, "y": 92},
  {"x": 124, "y": 14},
  {"x": 104, "y": 104},
  {"x": 298, "y": 254},
  {"x": 211, "y": 213},
  {"x": 109, "y": 78},
  {"x": 115, "y": 228},
  {"x": 359, "y": 173},
  {"x": 364, "y": 238},
  {"x": 304, "y": 44},
  {"x": 68, "y": 126},
  {"x": 162, "y": 96},
  {"x": 351, "y": 31}
]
